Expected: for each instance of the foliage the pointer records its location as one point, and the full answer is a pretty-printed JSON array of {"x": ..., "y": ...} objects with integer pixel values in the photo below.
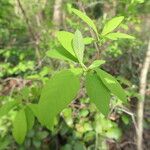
[{"x": 57, "y": 90}]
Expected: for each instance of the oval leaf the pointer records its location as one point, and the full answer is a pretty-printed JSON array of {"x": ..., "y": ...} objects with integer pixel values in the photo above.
[
  {"x": 111, "y": 25},
  {"x": 34, "y": 108},
  {"x": 115, "y": 36},
  {"x": 65, "y": 38},
  {"x": 112, "y": 84},
  {"x": 20, "y": 126},
  {"x": 58, "y": 92},
  {"x": 85, "y": 18},
  {"x": 29, "y": 118},
  {"x": 88, "y": 40},
  {"x": 61, "y": 53},
  {"x": 98, "y": 92},
  {"x": 96, "y": 64},
  {"x": 78, "y": 45}
]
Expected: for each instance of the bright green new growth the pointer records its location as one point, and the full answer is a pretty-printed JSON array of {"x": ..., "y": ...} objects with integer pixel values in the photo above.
[
  {"x": 62, "y": 54},
  {"x": 78, "y": 46},
  {"x": 96, "y": 64},
  {"x": 117, "y": 35},
  {"x": 85, "y": 18},
  {"x": 112, "y": 25},
  {"x": 65, "y": 38},
  {"x": 67, "y": 52}
]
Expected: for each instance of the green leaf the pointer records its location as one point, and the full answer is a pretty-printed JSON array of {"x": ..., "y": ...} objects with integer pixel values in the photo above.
[
  {"x": 61, "y": 53},
  {"x": 34, "y": 108},
  {"x": 4, "y": 109},
  {"x": 76, "y": 71},
  {"x": 88, "y": 40},
  {"x": 85, "y": 18},
  {"x": 111, "y": 25},
  {"x": 20, "y": 126},
  {"x": 58, "y": 92},
  {"x": 29, "y": 118},
  {"x": 115, "y": 36},
  {"x": 97, "y": 92},
  {"x": 78, "y": 45},
  {"x": 65, "y": 38},
  {"x": 96, "y": 64},
  {"x": 112, "y": 84},
  {"x": 114, "y": 133},
  {"x": 79, "y": 146}
]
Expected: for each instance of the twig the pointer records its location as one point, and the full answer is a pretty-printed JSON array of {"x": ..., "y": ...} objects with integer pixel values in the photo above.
[
  {"x": 125, "y": 110},
  {"x": 142, "y": 90},
  {"x": 30, "y": 29},
  {"x": 93, "y": 4}
]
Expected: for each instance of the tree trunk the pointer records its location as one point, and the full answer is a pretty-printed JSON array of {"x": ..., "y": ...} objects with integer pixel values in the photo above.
[
  {"x": 140, "y": 108},
  {"x": 57, "y": 14}
]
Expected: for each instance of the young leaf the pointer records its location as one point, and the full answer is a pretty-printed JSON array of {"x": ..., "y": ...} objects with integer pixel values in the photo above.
[
  {"x": 29, "y": 118},
  {"x": 65, "y": 38},
  {"x": 20, "y": 126},
  {"x": 112, "y": 84},
  {"x": 58, "y": 92},
  {"x": 96, "y": 64},
  {"x": 88, "y": 40},
  {"x": 61, "y": 53},
  {"x": 98, "y": 92},
  {"x": 4, "y": 109},
  {"x": 111, "y": 25},
  {"x": 85, "y": 18},
  {"x": 76, "y": 71},
  {"x": 115, "y": 36},
  {"x": 78, "y": 45}
]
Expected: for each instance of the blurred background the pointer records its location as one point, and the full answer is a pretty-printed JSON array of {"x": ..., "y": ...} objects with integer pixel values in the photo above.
[{"x": 27, "y": 32}]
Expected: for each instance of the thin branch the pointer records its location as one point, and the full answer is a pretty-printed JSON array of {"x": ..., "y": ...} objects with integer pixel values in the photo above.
[
  {"x": 26, "y": 19},
  {"x": 125, "y": 110},
  {"x": 140, "y": 108},
  {"x": 34, "y": 37}
]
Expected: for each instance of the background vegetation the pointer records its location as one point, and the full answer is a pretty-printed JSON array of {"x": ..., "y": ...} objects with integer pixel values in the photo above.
[{"x": 27, "y": 35}]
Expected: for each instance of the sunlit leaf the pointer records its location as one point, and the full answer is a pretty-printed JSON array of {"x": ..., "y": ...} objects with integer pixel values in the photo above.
[
  {"x": 76, "y": 71},
  {"x": 62, "y": 54},
  {"x": 117, "y": 35},
  {"x": 112, "y": 24},
  {"x": 85, "y": 18},
  {"x": 88, "y": 40},
  {"x": 114, "y": 133},
  {"x": 112, "y": 84},
  {"x": 78, "y": 45},
  {"x": 96, "y": 64},
  {"x": 65, "y": 38}
]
